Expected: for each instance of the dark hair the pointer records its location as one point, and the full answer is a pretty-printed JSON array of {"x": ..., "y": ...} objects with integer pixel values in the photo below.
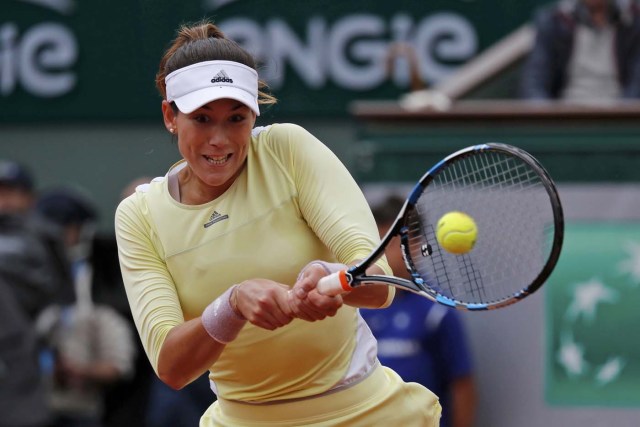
[
  {"x": 204, "y": 42},
  {"x": 387, "y": 211}
]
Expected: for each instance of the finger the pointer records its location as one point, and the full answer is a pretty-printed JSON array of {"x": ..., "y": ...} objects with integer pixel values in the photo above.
[
  {"x": 327, "y": 304},
  {"x": 303, "y": 286},
  {"x": 268, "y": 315},
  {"x": 311, "y": 313},
  {"x": 303, "y": 310},
  {"x": 283, "y": 313},
  {"x": 319, "y": 306},
  {"x": 276, "y": 318}
]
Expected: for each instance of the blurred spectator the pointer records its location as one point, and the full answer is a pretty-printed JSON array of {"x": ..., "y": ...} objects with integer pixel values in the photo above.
[
  {"x": 92, "y": 345},
  {"x": 16, "y": 188},
  {"x": 402, "y": 66},
  {"x": 28, "y": 257},
  {"x": 422, "y": 341},
  {"x": 27, "y": 285},
  {"x": 585, "y": 51}
]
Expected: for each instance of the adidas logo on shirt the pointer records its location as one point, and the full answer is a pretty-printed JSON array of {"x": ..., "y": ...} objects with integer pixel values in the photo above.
[
  {"x": 221, "y": 77},
  {"x": 215, "y": 217}
]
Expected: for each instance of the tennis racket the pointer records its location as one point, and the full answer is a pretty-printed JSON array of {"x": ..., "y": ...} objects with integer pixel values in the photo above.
[{"x": 520, "y": 228}]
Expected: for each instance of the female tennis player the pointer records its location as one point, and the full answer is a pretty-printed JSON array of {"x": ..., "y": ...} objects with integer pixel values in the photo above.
[{"x": 220, "y": 258}]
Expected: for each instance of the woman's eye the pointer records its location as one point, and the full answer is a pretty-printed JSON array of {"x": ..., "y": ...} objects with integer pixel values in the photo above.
[
  {"x": 201, "y": 118},
  {"x": 237, "y": 118}
]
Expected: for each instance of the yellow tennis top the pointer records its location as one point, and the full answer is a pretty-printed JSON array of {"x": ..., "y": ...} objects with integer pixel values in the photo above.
[{"x": 294, "y": 202}]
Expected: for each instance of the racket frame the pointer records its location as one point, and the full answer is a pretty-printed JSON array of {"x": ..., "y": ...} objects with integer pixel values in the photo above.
[{"x": 356, "y": 275}]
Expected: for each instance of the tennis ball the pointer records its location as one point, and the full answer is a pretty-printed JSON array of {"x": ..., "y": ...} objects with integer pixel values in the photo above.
[{"x": 456, "y": 232}]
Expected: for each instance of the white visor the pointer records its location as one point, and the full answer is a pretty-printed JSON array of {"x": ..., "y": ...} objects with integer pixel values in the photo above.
[{"x": 198, "y": 84}]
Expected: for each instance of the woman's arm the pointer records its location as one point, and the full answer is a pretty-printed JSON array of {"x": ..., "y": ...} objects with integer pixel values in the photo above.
[
  {"x": 186, "y": 353},
  {"x": 180, "y": 350},
  {"x": 333, "y": 205},
  {"x": 191, "y": 348}
]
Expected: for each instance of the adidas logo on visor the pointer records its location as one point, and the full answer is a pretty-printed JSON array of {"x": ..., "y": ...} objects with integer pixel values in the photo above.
[{"x": 221, "y": 77}]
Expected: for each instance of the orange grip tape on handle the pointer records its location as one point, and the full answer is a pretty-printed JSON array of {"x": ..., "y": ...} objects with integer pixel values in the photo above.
[
  {"x": 342, "y": 274},
  {"x": 334, "y": 284}
]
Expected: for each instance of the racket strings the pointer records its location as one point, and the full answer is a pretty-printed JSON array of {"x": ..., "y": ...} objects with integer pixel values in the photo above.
[
  {"x": 498, "y": 175},
  {"x": 415, "y": 246},
  {"x": 510, "y": 204},
  {"x": 471, "y": 279}
]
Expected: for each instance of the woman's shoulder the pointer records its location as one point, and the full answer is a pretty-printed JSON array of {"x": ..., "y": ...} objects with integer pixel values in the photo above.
[
  {"x": 291, "y": 143},
  {"x": 283, "y": 138},
  {"x": 136, "y": 202},
  {"x": 280, "y": 131}
]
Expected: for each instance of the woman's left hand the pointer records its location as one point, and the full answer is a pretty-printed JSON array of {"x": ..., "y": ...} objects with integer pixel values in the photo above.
[{"x": 263, "y": 302}]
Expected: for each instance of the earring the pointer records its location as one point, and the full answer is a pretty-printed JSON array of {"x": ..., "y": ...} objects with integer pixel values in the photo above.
[{"x": 172, "y": 130}]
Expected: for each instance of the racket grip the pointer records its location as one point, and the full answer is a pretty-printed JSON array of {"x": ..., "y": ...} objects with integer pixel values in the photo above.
[{"x": 334, "y": 284}]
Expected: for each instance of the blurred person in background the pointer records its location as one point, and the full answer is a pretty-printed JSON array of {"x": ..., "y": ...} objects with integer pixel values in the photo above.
[
  {"x": 27, "y": 284},
  {"x": 17, "y": 194},
  {"x": 28, "y": 241},
  {"x": 91, "y": 345},
  {"x": 401, "y": 65},
  {"x": 585, "y": 51},
  {"x": 24, "y": 290},
  {"x": 423, "y": 341}
]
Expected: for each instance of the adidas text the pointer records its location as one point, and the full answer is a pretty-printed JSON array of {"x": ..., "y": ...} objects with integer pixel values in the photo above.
[{"x": 221, "y": 79}]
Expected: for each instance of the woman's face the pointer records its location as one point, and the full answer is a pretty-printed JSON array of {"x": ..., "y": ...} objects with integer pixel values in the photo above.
[{"x": 213, "y": 140}]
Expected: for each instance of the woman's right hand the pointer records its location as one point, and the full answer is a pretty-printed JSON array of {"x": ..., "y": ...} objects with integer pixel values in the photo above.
[
  {"x": 305, "y": 300},
  {"x": 263, "y": 302}
]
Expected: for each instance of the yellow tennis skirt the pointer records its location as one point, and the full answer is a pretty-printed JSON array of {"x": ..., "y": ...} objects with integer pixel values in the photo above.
[{"x": 382, "y": 399}]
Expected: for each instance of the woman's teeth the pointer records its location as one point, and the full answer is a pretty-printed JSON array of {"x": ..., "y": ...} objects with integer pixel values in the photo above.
[{"x": 216, "y": 160}]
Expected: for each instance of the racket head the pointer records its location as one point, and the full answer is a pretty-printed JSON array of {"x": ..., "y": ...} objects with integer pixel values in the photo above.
[{"x": 520, "y": 224}]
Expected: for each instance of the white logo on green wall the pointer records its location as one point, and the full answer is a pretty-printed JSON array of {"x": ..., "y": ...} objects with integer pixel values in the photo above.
[
  {"x": 593, "y": 351},
  {"x": 350, "y": 52},
  {"x": 39, "y": 58}
]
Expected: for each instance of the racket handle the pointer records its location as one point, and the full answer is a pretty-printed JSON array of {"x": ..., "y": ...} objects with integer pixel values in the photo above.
[{"x": 334, "y": 284}]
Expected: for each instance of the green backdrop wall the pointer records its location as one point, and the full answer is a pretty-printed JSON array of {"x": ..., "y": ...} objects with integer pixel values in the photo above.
[{"x": 89, "y": 59}]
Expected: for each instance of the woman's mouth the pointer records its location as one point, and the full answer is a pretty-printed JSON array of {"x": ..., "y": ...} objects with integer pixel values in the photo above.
[{"x": 217, "y": 160}]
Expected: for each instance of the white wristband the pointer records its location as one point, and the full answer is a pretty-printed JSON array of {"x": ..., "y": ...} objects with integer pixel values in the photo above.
[{"x": 220, "y": 320}]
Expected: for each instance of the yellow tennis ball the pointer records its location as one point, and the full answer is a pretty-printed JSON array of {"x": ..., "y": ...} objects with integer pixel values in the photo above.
[{"x": 456, "y": 232}]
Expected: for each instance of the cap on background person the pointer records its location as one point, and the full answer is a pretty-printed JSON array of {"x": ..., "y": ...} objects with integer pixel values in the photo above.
[
  {"x": 74, "y": 214},
  {"x": 15, "y": 175},
  {"x": 16, "y": 189},
  {"x": 66, "y": 207}
]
